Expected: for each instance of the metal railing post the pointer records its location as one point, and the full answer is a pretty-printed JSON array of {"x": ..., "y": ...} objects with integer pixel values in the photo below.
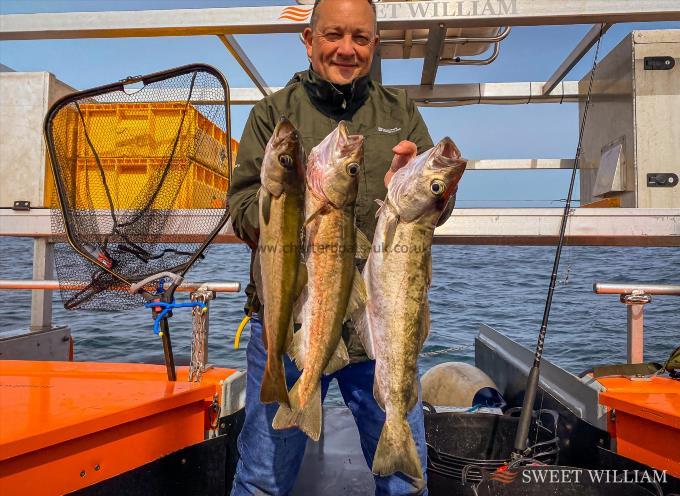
[
  {"x": 636, "y": 304},
  {"x": 41, "y": 299},
  {"x": 635, "y": 296}
]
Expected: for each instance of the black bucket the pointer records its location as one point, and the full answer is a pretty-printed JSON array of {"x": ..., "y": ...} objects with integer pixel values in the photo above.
[{"x": 462, "y": 446}]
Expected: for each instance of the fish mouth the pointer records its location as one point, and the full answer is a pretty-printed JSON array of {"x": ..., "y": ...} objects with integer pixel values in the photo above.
[
  {"x": 284, "y": 130},
  {"x": 447, "y": 158},
  {"x": 347, "y": 143},
  {"x": 449, "y": 148}
]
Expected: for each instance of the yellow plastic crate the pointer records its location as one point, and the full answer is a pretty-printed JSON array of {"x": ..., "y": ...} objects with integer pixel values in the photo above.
[
  {"x": 143, "y": 131},
  {"x": 130, "y": 181}
]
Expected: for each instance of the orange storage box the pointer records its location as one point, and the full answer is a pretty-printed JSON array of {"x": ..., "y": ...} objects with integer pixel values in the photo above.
[
  {"x": 68, "y": 425},
  {"x": 644, "y": 417}
]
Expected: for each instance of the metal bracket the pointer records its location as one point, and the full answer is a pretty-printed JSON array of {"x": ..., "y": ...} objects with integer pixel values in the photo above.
[
  {"x": 662, "y": 180},
  {"x": 199, "y": 336},
  {"x": 138, "y": 286},
  {"x": 662, "y": 63},
  {"x": 637, "y": 297}
]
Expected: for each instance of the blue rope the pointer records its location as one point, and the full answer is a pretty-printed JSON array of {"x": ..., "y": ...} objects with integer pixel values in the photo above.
[{"x": 167, "y": 307}]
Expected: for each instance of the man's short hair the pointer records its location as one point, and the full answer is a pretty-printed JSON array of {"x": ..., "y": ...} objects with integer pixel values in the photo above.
[{"x": 315, "y": 15}]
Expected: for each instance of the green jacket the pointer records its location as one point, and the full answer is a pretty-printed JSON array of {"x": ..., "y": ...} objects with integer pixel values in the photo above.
[{"x": 382, "y": 115}]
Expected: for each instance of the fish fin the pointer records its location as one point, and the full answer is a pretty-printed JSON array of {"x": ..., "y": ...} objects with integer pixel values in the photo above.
[
  {"x": 378, "y": 395},
  {"x": 396, "y": 451},
  {"x": 290, "y": 333},
  {"x": 357, "y": 296},
  {"x": 338, "y": 360},
  {"x": 273, "y": 388},
  {"x": 264, "y": 337},
  {"x": 315, "y": 214},
  {"x": 381, "y": 204},
  {"x": 296, "y": 348},
  {"x": 307, "y": 418},
  {"x": 424, "y": 320},
  {"x": 266, "y": 205},
  {"x": 300, "y": 279},
  {"x": 390, "y": 231},
  {"x": 360, "y": 321},
  {"x": 428, "y": 262},
  {"x": 257, "y": 276},
  {"x": 363, "y": 245}
]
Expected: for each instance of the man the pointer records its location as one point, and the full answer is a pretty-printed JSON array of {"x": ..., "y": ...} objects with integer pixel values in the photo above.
[{"x": 340, "y": 41}]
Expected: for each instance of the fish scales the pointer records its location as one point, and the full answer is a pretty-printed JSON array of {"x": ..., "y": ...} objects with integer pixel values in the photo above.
[
  {"x": 281, "y": 206},
  {"x": 330, "y": 273},
  {"x": 397, "y": 276},
  {"x": 332, "y": 185}
]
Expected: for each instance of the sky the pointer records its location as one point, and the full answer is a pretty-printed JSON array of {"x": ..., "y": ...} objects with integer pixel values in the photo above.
[{"x": 481, "y": 131}]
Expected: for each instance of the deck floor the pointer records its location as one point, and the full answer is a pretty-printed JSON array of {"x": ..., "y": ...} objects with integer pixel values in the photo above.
[{"x": 335, "y": 465}]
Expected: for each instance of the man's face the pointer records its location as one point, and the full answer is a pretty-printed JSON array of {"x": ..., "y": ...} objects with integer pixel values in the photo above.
[{"x": 343, "y": 41}]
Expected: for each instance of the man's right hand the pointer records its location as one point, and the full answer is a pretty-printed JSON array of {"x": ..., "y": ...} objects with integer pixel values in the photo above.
[{"x": 403, "y": 152}]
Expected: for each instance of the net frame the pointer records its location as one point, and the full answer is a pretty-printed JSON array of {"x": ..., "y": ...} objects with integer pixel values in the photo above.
[{"x": 105, "y": 274}]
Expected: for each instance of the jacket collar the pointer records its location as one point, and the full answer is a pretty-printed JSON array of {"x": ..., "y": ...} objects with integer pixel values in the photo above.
[{"x": 334, "y": 100}]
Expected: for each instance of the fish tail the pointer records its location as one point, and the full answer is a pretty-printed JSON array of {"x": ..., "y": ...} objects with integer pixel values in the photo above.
[
  {"x": 306, "y": 418},
  {"x": 273, "y": 388},
  {"x": 396, "y": 451}
]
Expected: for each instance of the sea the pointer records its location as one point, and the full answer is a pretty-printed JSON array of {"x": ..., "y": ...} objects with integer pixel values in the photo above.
[{"x": 504, "y": 287}]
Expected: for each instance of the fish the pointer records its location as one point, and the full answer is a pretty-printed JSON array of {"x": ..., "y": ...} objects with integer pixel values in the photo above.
[
  {"x": 278, "y": 257},
  {"x": 333, "y": 170},
  {"x": 394, "y": 322}
]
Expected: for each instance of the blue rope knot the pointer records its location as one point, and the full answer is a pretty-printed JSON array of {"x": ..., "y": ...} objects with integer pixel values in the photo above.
[{"x": 167, "y": 307}]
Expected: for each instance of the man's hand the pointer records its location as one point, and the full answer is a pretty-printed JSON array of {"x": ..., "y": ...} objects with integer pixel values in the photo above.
[{"x": 403, "y": 152}]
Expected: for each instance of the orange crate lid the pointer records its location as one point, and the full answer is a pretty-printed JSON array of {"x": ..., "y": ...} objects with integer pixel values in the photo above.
[
  {"x": 657, "y": 400},
  {"x": 45, "y": 403}
]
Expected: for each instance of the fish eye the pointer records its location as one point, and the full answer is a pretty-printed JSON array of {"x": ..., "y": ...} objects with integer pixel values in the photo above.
[
  {"x": 286, "y": 161},
  {"x": 437, "y": 187},
  {"x": 353, "y": 169}
]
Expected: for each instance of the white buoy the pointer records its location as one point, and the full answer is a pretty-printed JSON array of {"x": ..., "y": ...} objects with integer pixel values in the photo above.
[{"x": 453, "y": 384}]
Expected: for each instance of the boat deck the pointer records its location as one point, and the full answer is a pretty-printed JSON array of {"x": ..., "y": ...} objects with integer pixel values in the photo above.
[{"x": 335, "y": 465}]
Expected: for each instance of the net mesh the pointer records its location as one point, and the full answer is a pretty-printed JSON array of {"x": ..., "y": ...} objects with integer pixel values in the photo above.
[{"x": 141, "y": 177}]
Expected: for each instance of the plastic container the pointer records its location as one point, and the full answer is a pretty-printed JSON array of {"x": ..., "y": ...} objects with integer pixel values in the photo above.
[
  {"x": 461, "y": 445},
  {"x": 132, "y": 139},
  {"x": 128, "y": 181}
]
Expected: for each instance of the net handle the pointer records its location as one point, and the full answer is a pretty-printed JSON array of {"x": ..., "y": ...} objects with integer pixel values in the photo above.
[{"x": 138, "y": 286}]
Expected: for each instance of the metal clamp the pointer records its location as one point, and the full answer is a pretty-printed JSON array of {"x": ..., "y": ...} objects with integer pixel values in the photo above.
[
  {"x": 637, "y": 297},
  {"x": 138, "y": 286}
]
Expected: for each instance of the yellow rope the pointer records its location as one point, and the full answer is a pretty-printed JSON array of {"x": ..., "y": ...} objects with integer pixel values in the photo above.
[{"x": 241, "y": 326}]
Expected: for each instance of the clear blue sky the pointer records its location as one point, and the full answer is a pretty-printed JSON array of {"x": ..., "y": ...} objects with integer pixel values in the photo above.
[{"x": 481, "y": 131}]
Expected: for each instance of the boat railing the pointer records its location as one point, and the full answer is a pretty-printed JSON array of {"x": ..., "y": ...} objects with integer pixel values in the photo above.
[
  {"x": 199, "y": 291},
  {"x": 52, "y": 285},
  {"x": 635, "y": 296}
]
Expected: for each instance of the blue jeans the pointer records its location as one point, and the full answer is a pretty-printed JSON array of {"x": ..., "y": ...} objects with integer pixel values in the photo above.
[{"x": 270, "y": 459}]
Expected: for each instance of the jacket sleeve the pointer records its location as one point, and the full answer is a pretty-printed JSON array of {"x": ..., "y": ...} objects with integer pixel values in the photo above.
[
  {"x": 417, "y": 130},
  {"x": 245, "y": 179},
  {"x": 419, "y": 135}
]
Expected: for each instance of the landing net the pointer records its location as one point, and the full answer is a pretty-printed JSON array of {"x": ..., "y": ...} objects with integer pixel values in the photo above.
[{"x": 141, "y": 171}]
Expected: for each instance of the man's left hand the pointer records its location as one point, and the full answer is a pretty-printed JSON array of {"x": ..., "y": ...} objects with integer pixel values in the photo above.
[{"x": 403, "y": 152}]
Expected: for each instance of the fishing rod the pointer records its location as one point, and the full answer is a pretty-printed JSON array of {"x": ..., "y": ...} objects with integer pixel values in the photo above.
[{"x": 522, "y": 435}]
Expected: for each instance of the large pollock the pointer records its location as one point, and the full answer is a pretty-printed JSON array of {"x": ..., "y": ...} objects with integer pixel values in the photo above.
[
  {"x": 278, "y": 257},
  {"x": 398, "y": 272},
  {"x": 333, "y": 170}
]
